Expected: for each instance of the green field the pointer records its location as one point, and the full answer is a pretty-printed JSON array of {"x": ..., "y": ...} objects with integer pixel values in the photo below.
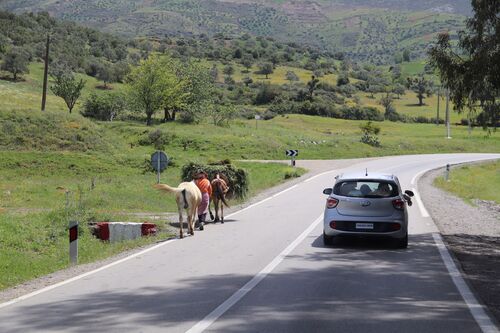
[{"x": 473, "y": 182}]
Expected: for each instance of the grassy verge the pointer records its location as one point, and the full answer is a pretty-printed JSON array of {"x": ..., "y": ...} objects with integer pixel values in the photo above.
[{"x": 474, "y": 182}]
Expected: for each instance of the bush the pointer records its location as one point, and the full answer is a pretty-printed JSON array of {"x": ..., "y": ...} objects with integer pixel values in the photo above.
[
  {"x": 391, "y": 114},
  {"x": 370, "y": 132},
  {"x": 237, "y": 179},
  {"x": 268, "y": 115},
  {"x": 187, "y": 117},
  {"x": 364, "y": 113},
  {"x": 266, "y": 94},
  {"x": 158, "y": 138},
  {"x": 103, "y": 106}
]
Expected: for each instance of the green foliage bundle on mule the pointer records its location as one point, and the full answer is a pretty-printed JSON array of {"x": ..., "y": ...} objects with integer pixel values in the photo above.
[{"x": 237, "y": 178}]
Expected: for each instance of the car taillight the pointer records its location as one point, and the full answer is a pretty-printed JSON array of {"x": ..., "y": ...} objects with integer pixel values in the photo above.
[
  {"x": 331, "y": 203},
  {"x": 333, "y": 225},
  {"x": 395, "y": 226},
  {"x": 398, "y": 204}
]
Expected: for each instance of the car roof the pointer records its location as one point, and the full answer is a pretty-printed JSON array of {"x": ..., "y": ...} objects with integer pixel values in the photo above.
[{"x": 365, "y": 175}]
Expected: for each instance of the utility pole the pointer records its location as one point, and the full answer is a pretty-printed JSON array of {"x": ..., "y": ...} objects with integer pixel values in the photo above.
[
  {"x": 447, "y": 114},
  {"x": 45, "y": 73}
]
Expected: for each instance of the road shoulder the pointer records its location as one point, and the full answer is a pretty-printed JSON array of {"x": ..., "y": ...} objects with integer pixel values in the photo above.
[{"x": 472, "y": 234}]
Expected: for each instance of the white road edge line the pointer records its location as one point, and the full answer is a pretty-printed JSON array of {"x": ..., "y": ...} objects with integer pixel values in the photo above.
[
  {"x": 414, "y": 179},
  {"x": 62, "y": 283},
  {"x": 421, "y": 206},
  {"x": 476, "y": 309},
  {"x": 238, "y": 295}
]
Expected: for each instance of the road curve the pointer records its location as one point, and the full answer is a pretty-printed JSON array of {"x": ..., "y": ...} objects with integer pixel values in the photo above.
[{"x": 266, "y": 270}]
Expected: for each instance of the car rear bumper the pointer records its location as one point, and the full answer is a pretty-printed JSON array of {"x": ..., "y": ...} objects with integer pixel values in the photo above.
[{"x": 380, "y": 229}]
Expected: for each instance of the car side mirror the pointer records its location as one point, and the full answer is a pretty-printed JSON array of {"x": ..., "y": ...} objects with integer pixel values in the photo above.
[
  {"x": 410, "y": 193},
  {"x": 407, "y": 199},
  {"x": 328, "y": 191}
]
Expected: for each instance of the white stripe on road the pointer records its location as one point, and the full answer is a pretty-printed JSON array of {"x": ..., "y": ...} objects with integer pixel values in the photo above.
[
  {"x": 477, "y": 311},
  {"x": 238, "y": 295},
  {"x": 420, "y": 204},
  {"x": 418, "y": 175}
]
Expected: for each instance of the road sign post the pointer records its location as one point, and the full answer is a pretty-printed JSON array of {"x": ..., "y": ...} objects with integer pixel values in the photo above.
[
  {"x": 292, "y": 153},
  {"x": 73, "y": 242},
  {"x": 159, "y": 162}
]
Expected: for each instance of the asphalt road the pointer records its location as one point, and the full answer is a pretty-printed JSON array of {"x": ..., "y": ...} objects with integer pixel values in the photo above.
[{"x": 266, "y": 270}]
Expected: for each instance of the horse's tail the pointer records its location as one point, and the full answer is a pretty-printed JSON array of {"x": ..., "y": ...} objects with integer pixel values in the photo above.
[
  {"x": 219, "y": 192},
  {"x": 166, "y": 188}
]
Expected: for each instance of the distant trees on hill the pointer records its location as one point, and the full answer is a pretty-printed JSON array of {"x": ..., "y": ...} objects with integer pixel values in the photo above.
[
  {"x": 22, "y": 39},
  {"x": 15, "y": 61}
]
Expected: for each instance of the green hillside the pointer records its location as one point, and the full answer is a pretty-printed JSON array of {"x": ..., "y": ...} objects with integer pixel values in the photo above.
[{"x": 365, "y": 30}]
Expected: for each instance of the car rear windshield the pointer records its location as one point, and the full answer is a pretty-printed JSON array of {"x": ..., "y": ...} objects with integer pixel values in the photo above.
[{"x": 366, "y": 189}]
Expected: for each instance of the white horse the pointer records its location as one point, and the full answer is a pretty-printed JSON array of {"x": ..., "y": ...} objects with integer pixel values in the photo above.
[{"x": 188, "y": 197}]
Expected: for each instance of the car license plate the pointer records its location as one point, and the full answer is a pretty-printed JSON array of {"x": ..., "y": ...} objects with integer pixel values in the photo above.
[{"x": 364, "y": 225}]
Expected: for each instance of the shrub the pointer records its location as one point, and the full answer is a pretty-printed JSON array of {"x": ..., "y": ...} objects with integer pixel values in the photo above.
[
  {"x": 158, "y": 138},
  {"x": 103, "y": 106},
  {"x": 370, "y": 132},
  {"x": 364, "y": 113},
  {"x": 266, "y": 94}
]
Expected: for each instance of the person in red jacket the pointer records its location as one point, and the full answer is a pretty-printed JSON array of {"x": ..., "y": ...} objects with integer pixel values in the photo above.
[{"x": 201, "y": 180}]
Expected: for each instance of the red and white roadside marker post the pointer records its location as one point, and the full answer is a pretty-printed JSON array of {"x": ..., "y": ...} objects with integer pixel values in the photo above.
[{"x": 73, "y": 242}]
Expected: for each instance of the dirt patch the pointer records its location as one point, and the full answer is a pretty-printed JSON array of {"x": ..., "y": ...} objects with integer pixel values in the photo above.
[{"x": 472, "y": 234}]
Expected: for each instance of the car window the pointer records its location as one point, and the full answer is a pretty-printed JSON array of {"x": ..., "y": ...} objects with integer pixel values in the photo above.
[{"x": 366, "y": 189}]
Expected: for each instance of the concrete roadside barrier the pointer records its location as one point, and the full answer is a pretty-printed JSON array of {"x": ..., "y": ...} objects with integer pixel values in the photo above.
[{"x": 119, "y": 231}]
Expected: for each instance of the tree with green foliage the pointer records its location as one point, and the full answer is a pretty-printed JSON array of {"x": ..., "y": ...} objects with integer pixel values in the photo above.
[
  {"x": 228, "y": 70},
  {"x": 311, "y": 87},
  {"x": 266, "y": 69},
  {"x": 472, "y": 74},
  {"x": 176, "y": 88},
  {"x": 68, "y": 88},
  {"x": 146, "y": 87},
  {"x": 201, "y": 89},
  {"x": 247, "y": 62},
  {"x": 399, "y": 90},
  {"x": 221, "y": 113},
  {"x": 343, "y": 79},
  {"x": 105, "y": 74},
  {"x": 247, "y": 80},
  {"x": 422, "y": 87},
  {"x": 387, "y": 101},
  {"x": 3, "y": 43},
  {"x": 16, "y": 61},
  {"x": 406, "y": 55}
]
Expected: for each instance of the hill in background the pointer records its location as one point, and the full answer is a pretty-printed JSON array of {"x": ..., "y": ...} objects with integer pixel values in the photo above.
[{"x": 365, "y": 30}]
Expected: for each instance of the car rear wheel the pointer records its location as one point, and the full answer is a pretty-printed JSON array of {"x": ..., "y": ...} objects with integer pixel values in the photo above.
[{"x": 402, "y": 243}]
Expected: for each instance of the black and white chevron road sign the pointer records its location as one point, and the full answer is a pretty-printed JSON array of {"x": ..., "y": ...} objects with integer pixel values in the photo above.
[{"x": 292, "y": 153}]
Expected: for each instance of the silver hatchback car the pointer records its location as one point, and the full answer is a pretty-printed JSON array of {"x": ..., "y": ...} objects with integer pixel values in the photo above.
[{"x": 366, "y": 205}]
